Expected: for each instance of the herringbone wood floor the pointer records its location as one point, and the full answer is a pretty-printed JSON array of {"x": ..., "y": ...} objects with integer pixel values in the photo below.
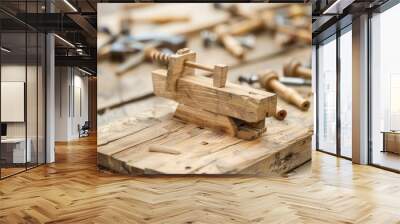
[{"x": 74, "y": 191}]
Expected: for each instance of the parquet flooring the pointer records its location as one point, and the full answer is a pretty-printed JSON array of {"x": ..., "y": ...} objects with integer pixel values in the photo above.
[{"x": 72, "y": 190}]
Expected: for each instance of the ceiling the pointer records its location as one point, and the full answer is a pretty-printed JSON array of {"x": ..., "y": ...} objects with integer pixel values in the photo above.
[{"x": 73, "y": 20}]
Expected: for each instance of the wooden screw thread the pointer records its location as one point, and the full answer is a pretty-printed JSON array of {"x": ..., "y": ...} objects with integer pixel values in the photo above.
[
  {"x": 158, "y": 57},
  {"x": 162, "y": 58}
]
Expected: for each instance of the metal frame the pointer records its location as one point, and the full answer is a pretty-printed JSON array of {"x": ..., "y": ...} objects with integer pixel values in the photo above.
[{"x": 337, "y": 34}]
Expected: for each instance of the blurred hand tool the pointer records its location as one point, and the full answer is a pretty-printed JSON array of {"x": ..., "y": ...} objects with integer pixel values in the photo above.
[
  {"x": 161, "y": 19},
  {"x": 295, "y": 69},
  {"x": 210, "y": 38},
  {"x": 126, "y": 45},
  {"x": 168, "y": 43},
  {"x": 270, "y": 81},
  {"x": 290, "y": 81},
  {"x": 267, "y": 21},
  {"x": 229, "y": 42}
]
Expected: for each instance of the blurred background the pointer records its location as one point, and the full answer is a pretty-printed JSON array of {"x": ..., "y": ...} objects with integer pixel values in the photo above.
[{"x": 268, "y": 35}]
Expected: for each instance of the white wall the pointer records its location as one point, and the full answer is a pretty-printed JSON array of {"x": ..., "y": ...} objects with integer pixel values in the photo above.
[{"x": 70, "y": 83}]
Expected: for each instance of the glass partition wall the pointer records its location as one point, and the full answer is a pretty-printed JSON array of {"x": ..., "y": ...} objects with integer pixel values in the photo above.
[
  {"x": 326, "y": 110},
  {"x": 385, "y": 90},
  {"x": 334, "y": 94},
  {"x": 22, "y": 77}
]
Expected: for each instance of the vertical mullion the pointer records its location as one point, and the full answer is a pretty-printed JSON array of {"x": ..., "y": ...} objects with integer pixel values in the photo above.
[
  {"x": 317, "y": 96},
  {"x": 26, "y": 85},
  {"x": 338, "y": 74},
  {"x": 46, "y": 3},
  {"x": 37, "y": 89},
  {"x": 369, "y": 79}
]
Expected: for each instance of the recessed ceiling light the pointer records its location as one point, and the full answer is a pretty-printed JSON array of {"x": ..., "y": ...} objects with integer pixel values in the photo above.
[
  {"x": 84, "y": 71},
  {"x": 64, "y": 40},
  {"x": 70, "y": 5},
  {"x": 5, "y": 50}
]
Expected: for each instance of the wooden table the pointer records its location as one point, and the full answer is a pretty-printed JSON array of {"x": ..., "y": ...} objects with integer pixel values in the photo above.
[
  {"x": 391, "y": 141},
  {"x": 127, "y": 130}
]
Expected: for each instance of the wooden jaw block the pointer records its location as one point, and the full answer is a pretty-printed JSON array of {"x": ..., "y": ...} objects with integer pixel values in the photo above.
[
  {"x": 244, "y": 103},
  {"x": 270, "y": 81},
  {"x": 233, "y": 127},
  {"x": 294, "y": 69},
  {"x": 220, "y": 75},
  {"x": 177, "y": 68}
]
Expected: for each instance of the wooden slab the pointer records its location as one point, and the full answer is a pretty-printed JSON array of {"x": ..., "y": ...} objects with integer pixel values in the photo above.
[{"x": 285, "y": 146}]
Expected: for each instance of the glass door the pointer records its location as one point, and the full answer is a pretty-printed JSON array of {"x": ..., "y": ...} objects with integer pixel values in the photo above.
[
  {"x": 326, "y": 107},
  {"x": 22, "y": 92},
  {"x": 345, "y": 97},
  {"x": 385, "y": 90}
]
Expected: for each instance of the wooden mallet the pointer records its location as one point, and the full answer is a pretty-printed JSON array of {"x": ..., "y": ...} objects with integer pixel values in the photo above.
[
  {"x": 295, "y": 69},
  {"x": 270, "y": 81}
]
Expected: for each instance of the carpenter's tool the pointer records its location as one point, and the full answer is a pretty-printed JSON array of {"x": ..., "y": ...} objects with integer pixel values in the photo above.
[
  {"x": 124, "y": 44},
  {"x": 210, "y": 38},
  {"x": 229, "y": 42},
  {"x": 267, "y": 21},
  {"x": 161, "y": 19},
  {"x": 290, "y": 81},
  {"x": 270, "y": 81},
  {"x": 212, "y": 102},
  {"x": 295, "y": 69},
  {"x": 168, "y": 43}
]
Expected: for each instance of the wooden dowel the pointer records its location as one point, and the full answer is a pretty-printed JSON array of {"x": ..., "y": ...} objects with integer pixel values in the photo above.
[
  {"x": 280, "y": 113},
  {"x": 193, "y": 64},
  {"x": 163, "y": 149}
]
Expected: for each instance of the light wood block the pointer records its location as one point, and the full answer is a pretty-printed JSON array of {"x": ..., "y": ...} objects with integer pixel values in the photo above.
[{"x": 236, "y": 101}]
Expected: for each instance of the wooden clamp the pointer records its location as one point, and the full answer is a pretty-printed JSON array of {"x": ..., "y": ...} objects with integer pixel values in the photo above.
[
  {"x": 213, "y": 102},
  {"x": 270, "y": 81}
]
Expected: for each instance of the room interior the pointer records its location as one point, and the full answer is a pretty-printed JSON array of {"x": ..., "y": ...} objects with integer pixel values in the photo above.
[
  {"x": 45, "y": 98},
  {"x": 335, "y": 65}
]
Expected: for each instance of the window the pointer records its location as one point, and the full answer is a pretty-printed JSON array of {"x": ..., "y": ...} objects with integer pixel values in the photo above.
[
  {"x": 327, "y": 96},
  {"x": 346, "y": 93},
  {"x": 385, "y": 89}
]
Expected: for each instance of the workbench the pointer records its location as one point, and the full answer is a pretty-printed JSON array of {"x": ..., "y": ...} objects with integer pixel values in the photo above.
[{"x": 131, "y": 119}]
